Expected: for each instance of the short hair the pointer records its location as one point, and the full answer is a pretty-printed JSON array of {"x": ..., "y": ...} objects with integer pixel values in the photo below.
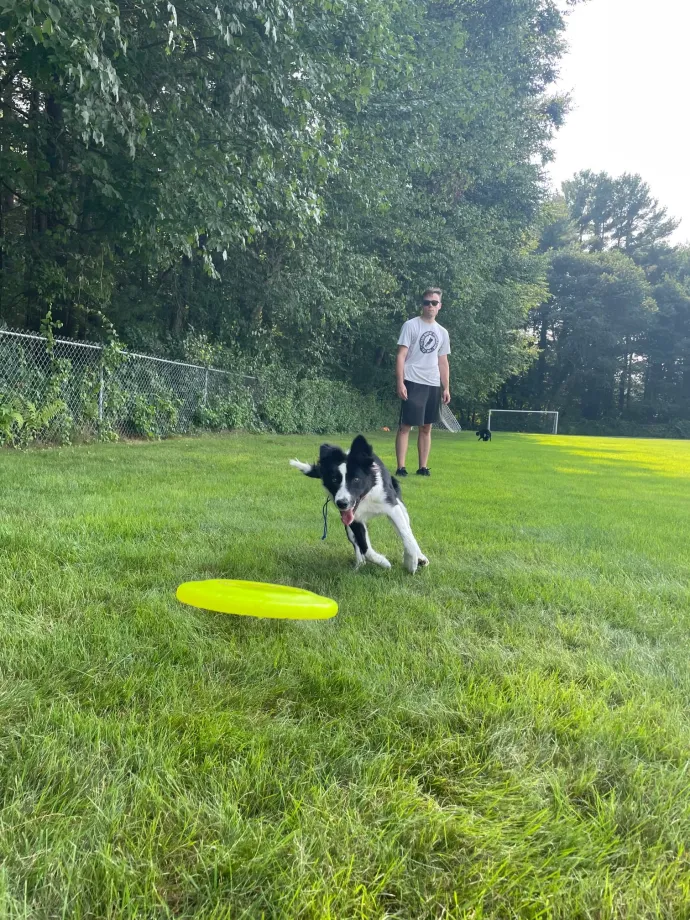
[{"x": 433, "y": 291}]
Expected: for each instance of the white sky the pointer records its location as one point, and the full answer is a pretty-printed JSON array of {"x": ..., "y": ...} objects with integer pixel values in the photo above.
[{"x": 628, "y": 73}]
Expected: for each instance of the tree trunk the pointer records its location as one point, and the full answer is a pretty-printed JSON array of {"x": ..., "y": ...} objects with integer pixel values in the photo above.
[
  {"x": 2, "y": 248},
  {"x": 655, "y": 376},
  {"x": 541, "y": 361},
  {"x": 185, "y": 290},
  {"x": 623, "y": 379},
  {"x": 686, "y": 379},
  {"x": 31, "y": 312}
]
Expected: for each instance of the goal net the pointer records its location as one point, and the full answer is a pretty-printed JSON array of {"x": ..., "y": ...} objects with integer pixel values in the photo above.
[
  {"x": 527, "y": 421},
  {"x": 447, "y": 420}
]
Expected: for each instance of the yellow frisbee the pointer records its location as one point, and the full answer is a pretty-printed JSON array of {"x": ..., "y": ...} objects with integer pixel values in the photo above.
[{"x": 256, "y": 599}]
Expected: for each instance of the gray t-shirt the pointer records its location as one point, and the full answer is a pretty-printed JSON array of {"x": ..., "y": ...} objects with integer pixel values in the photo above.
[{"x": 425, "y": 343}]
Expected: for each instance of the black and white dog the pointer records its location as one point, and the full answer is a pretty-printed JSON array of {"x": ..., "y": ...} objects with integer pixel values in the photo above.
[
  {"x": 484, "y": 434},
  {"x": 362, "y": 488}
]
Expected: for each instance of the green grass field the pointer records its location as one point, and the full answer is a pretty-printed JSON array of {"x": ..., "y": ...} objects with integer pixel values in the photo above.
[{"x": 505, "y": 734}]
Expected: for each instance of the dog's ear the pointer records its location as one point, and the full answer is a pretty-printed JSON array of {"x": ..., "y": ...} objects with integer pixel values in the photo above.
[
  {"x": 329, "y": 452},
  {"x": 361, "y": 448}
]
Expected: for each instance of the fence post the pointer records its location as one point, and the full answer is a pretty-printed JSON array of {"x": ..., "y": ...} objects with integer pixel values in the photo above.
[
  {"x": 205, "y": 389},
  {"x": 100, "y": 397}
]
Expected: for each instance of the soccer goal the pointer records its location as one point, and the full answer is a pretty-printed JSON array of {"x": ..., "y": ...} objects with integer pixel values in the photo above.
[{"x": 527, "y": 421}]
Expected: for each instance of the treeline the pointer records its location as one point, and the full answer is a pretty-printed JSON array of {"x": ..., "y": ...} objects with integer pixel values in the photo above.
[
  {"x": 612, "y": 337},
  {"x": 269, "y": 185},
  {"x": 274, "y": 183}
]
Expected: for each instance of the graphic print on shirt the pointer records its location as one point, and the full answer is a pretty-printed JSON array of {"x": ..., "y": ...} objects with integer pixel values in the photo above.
[{"x": 428, "y": 342}]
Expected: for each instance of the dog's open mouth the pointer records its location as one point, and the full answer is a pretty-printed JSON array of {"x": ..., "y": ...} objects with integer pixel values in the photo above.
[{"x": 347, "y": 516}]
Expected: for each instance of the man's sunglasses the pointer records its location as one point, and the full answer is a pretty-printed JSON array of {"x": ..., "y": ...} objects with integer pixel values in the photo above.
[{"x": 431, "y": 303}]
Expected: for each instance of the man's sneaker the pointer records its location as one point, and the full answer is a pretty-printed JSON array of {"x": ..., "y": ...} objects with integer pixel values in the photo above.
[
  {"x": 401, "y": 471},
  {"x": 424, "y": 471}
]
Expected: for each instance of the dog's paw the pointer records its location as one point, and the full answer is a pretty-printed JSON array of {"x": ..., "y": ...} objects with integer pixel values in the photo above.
[
  {"x": 422, "y": 560},
  {"x": 298, "y": 465},
  {"x": 378, "y": 559},
  {"x": 410, "y": 561}
]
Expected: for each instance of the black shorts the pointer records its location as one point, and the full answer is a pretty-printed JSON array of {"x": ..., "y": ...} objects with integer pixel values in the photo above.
[{"x": 422, "y": 404}]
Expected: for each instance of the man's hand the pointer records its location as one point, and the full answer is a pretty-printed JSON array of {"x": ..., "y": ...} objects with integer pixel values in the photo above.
[
  {"x": 444, "y": 371},
  {"x": 400, "y": 371}
]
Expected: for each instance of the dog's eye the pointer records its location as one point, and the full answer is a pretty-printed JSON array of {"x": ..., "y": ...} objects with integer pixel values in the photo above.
[{"x": 355, "y": 480}]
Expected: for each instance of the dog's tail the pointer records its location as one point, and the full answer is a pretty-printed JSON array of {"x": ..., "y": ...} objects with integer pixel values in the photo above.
[{"x": 309, "y": 469}]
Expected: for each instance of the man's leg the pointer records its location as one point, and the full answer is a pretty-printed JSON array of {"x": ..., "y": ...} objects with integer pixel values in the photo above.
[
  {"x": 401, "y": 441},
  {"x": 431, "y": 414},
  {"x": 423, "y": 445}
]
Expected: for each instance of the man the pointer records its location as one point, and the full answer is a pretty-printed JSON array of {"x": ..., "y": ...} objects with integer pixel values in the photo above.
[{"x": 423, "y": 379}]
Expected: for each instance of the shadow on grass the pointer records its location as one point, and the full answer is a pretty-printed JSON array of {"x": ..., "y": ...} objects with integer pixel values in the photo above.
[
  {"x": 324, "y": 573},
  {"x": 317, "y": 568}
]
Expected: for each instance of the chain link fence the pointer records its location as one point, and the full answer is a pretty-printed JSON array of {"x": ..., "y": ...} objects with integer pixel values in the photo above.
[{"x": 57, "y": 390}]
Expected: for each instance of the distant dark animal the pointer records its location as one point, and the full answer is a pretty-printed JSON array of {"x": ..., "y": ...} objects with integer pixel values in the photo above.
[{"x": 484, "y": 434}]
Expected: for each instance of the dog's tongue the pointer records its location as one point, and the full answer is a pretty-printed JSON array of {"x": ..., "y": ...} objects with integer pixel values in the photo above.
[{"x": 347, "y": 517}]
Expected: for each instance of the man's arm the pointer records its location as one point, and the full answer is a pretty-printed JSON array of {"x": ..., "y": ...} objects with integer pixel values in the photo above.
[
  {"x": 400, "y": 371},
  {"x": 444, "y": 371}
]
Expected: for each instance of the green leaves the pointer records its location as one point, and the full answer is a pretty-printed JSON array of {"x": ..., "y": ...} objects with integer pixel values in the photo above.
[
  {"x": 614, "y": 328},
  {"x": 285, "y": 178},
  {"x": 616, "y": 213}
]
